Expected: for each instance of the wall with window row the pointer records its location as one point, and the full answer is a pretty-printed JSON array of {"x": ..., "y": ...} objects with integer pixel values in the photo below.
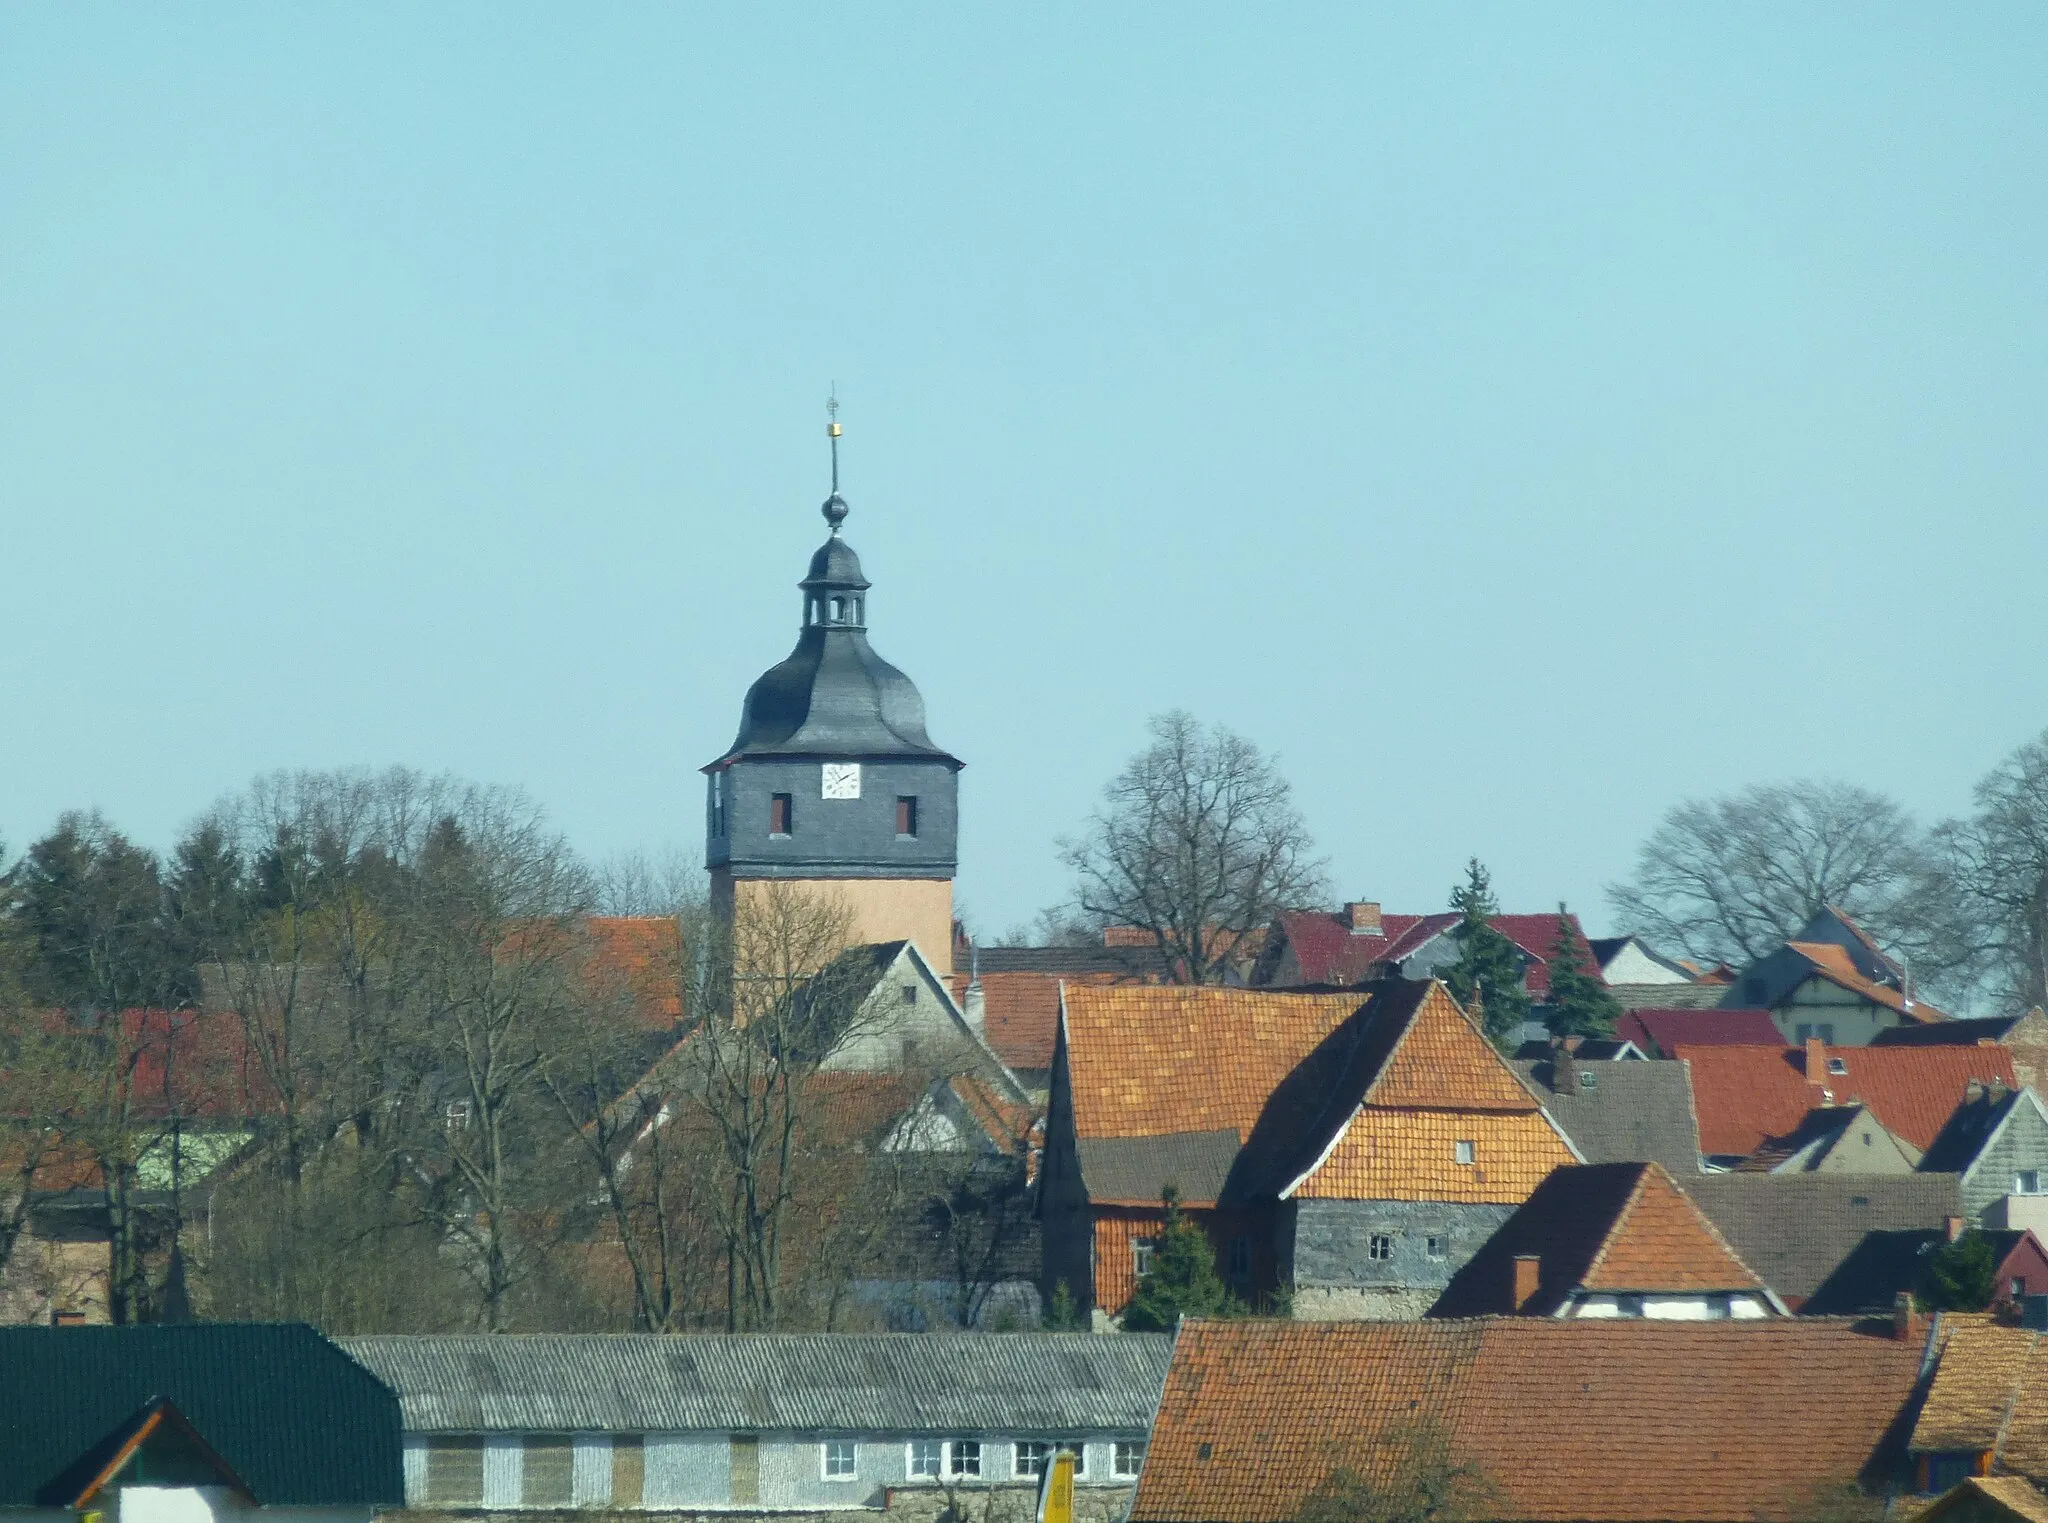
[
  {"x": 725, "y": 1471},
  {"x": 1410, "y": 1245}
]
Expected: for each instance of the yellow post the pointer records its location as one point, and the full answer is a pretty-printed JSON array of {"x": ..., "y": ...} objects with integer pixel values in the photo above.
[{"x": 1056, "y": 1489}]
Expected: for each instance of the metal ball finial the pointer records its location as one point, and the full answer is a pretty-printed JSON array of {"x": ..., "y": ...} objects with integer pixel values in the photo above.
[{"x": 835, "y": 511}]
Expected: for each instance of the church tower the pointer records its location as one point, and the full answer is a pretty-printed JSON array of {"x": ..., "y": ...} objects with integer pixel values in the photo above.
[{"x": 832, "y": 782}]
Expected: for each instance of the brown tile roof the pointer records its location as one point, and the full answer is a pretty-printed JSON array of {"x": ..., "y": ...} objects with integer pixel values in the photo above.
[
  {"x": 645, "y": 953},
  {"x": 1995, "y": 1496},
  {"x": 1834, "y": 964},
  {"x": 1659, "y": 1031},
  {"x": 1146, "y": 1060},
  {"x": 1744, "y": 1096},
  {"x": 1724, "y": 1422},
  {"x": 1021, "y": 1011},
  {"x": 1615, "y": 1228},
  {"x": 1815, "y": 1237}
]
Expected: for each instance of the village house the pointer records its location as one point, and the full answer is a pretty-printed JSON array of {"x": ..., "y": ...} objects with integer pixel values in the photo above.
[
  {"x": 1997, "y": 1141},
  {"x": 1986, "y": 1410},
  {"x": 1012, "y": 994},
  {"x": 1730, "y": 1422},
  {"x": 886, "y": 1425},
  {"x": 1608, "y": 1240},
  {"x": 1747, "y": 1097},
  {"x": 221, "y": 1423},
  {"x": 2025, "y": 1036},
  {"x": 1834, "y": 1139},
  {"x": 1988, "y": 1499},
  {"x": 1353, "y": 1148},
  {"x": 1619, "y": 1112},
  {"x": 1832, "y": 982}
]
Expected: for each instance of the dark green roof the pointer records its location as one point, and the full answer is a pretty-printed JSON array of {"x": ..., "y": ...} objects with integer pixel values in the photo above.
[{"x": 299, "y": 1421}]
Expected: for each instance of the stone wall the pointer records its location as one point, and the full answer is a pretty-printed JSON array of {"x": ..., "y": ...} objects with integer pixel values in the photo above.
[
  {"x": 920, "y": 1504},
  {"x": 1334, "y": 1265}
]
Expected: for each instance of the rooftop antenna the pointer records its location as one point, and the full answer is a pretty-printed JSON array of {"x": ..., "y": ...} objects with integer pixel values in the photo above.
[{"x": 835, "y": 506}]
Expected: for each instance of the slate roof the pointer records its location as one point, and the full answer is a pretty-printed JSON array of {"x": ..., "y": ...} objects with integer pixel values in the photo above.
[
  {"x": 1614, "y": 1228},
  {"x": 1724, "y": 1422},
  {"x": 293, "y": 1417},
  {"x": 1634, "y": 1111},
  {"x": 1134, "y": 1171},
  {"x": 895, "y": 1383},
  {"x": 1744, "y": 1096},
  {"x": 1661, "y": 1031},
  {"x": 1704, "y": 995},
  {"x": 1800, "y": 1231}
]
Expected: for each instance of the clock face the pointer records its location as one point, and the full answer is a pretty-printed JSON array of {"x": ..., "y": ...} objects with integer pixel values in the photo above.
[{"x": 842, "y": 780}]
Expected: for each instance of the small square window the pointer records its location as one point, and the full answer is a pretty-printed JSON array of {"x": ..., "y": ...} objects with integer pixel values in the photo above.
[
  {"x": 842, "y": 1459},
  {"x": 927, "y": 1458},
  {"x": 2019, "y": 1287},
  {"x": 1838, "y": 1065},
  {"x": 1141, "y": 1256},
  {"x": 780, "y": 814},
  {"x": 1589, "y": 1080},
  {"x": 1439, "y": 1248},
  {"x": 1028, "y": 1464},
  {"x": 964, "y": 1457},
  {"x": 910, "y": 994},
  {"x": 1465, "y": 1152},
  {"x": 906, "y": 816},
  {"x": 1628, "y": 1306},
  {"x": 1127, "y": 1459},
  {"x": 1381, "y": 1247},
  {"x": 1203, "y": 1451},
  {"x": 2027, "y": 1182}
]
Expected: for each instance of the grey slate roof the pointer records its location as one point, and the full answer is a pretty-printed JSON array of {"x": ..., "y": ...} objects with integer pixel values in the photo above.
[
  {"x": 1003, "y": 1383},
  {"x": 1137, "y": 1169},
  {"x": 1636, "y": 1112},
  {"x": 1798, "y": 1230},
  {"x": 1669, "y": 996}
]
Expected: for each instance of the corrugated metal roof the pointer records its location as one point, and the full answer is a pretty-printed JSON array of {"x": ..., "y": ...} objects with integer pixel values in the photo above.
[{"x": 1053, "y": 1383}]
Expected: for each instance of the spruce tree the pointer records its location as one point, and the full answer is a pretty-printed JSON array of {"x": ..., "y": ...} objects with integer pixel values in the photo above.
[
  {"x": 1182, "y": 1279},
  {"x": 1487, "y": 961},
  {"x": 1579, "y": 1002}
]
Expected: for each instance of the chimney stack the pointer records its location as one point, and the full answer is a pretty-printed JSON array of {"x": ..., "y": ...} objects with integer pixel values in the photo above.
[
  {"x": 1528, "y": 1277},
  {"x": 1564, "y": 1069},
  {"x": 1952, "y": 1227},
  {"x": 1995, "y": 1091},
  {"x": 1907, "y": 1323},
  {"x": 1363, "y": 916},
  {"x": 1816, "y": 1061},
  {"x": 1973, "y": 1092}
]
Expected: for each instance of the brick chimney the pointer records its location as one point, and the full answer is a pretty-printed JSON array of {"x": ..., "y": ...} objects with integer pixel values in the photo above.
[
  {"x": 1907, "y": 1323},
  {"x": 1952, "y": 1227},
  {"x": 1564, "y": 1069},
  {"x": 1528, "y": 1277},
  {"x": 1995, "y": 1091},
  {"x": 1973, "y": 1092},
  {"x": 1816, "y": 1061},
  {"x": 1363, "y": 917}
]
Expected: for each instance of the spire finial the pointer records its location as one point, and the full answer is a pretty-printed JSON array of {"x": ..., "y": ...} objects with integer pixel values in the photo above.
[{"x": 835, "y": 508}]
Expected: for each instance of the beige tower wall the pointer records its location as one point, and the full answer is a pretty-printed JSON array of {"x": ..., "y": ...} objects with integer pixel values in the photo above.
[{"x": 883, "y": 909}]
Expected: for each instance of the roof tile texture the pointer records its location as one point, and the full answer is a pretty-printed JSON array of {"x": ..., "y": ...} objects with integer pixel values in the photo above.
[
  {"x": 1746, "y": 1095},
  {"x": 1706, "y": 1409},
  {"x": 1413, "y": 1155}
]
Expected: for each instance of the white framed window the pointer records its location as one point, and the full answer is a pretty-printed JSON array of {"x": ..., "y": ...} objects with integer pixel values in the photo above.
[
  {"x": 1439, "y": 1247},
  {"x": 1127, "y": 1458},
  {"x": 839, "y": 1459},
  {"x": 1381, "y": 1247},
  {"x": 963, "y": 1458},
  {"x": 1141, "y": 1255},
  {"x": 2027, "y": 1182},
  {"x": 1028, "y": 1461},
  {"x": 1465, "y": 1152},
  {"x": 927, "y": 1458},
  {"x": 1079, "y": 1451}
]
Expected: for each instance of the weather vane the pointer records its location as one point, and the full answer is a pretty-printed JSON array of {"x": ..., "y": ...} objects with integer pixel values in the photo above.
[{"x": 835, "y": 505}]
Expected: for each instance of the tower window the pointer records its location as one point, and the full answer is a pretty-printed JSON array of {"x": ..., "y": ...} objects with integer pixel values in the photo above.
[
  {"x": 839, "y": 610},
  {"x": 906, "y": 816},
  {"x": 779, "y": 817}
]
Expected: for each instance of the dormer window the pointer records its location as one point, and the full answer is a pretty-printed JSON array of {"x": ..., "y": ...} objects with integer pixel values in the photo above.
[{"x": 1837, "y": 1066}]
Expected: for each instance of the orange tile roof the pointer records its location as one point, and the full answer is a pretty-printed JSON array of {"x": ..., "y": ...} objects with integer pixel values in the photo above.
[
  {"x": 1148, "y": 1060},
  {"x": 1612, "y": 1227},
  {"x": 1744, "y": 1096},
  {"x": 1834, "y": 964},
  {"x": 1021, "y": 1011},
  {"x": 1724, "y": 1422},
  {"x": 645, "y": 953},
  {"x": 1989, "y": 1395},
  {"x": 1413, "y": 1155}
]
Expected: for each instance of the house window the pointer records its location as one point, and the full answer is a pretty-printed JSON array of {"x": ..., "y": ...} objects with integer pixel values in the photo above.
[
  {"x": 838, "y": 610},
  {"x": 1127, "y": 1458},
  {"x": 910, "y": 994},
  {"x": 2027, "y": 1182},
  {"x": 1079, "y": 1451},
  {"x": 2019, "y": 1287},
  {"x": 1838, "y": 1065},
  {"x": 927, "y": 1458},
  {"x": 906, "y": 816},
  {"x": 1945, "y": 1471},
  {"x": 1628, "y": 1306},
  {"x": 963, "y": 1457},
  {"x": 1203, "y": 1451},
  {"x": 841, "y": 1458},
  {"x": 1381, "y": 1247},
  {"x": 1720, "y": 1308},
  {"x": 1465, "y": 1152},
  {"x": 1028, "y": 1462},
  {"x": 1589, "y": 1080},
  {"x": 1240, "y": 1260},
  {"x": 549, "y": 1480},
  {"x": 1439, "y": 1248},
  {"x": 1141, "y": 1256},
  {"x": 779, "y": 812}
]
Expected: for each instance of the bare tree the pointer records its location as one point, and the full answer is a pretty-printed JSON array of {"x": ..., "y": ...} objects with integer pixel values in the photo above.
[
  {"x": 1198, "y": 843},
  {"x": 1729, "y": 879},
  {"x": 1996, "y": 862}
]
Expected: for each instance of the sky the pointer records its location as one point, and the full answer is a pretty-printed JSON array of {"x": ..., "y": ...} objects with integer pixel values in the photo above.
[{"x": 1518, "y": 418}]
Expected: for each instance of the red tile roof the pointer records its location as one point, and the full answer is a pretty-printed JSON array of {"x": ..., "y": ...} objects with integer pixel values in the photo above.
[
  {"x": 1021, "y": 1012},
  {"x": 1744, "y": 1096},
  {"x": 1618, "y": 1228},
  {"x": 645, "y": 952},
  {"x": 1599, "y": 1421},
  {"x": 1328, "y": 951},
  {"x": 1659, "y": 1032}
]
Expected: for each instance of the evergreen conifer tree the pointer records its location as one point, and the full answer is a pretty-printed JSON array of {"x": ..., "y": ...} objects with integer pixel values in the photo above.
[
  {"x": 1487, "y": 961},
  {"x": 1182, "y": 1279},
  {"x": 1579, "y": 1003}
]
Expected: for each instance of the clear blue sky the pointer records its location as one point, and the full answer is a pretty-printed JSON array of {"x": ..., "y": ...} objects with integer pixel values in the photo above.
[{"x": 1519, "y": 417}]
